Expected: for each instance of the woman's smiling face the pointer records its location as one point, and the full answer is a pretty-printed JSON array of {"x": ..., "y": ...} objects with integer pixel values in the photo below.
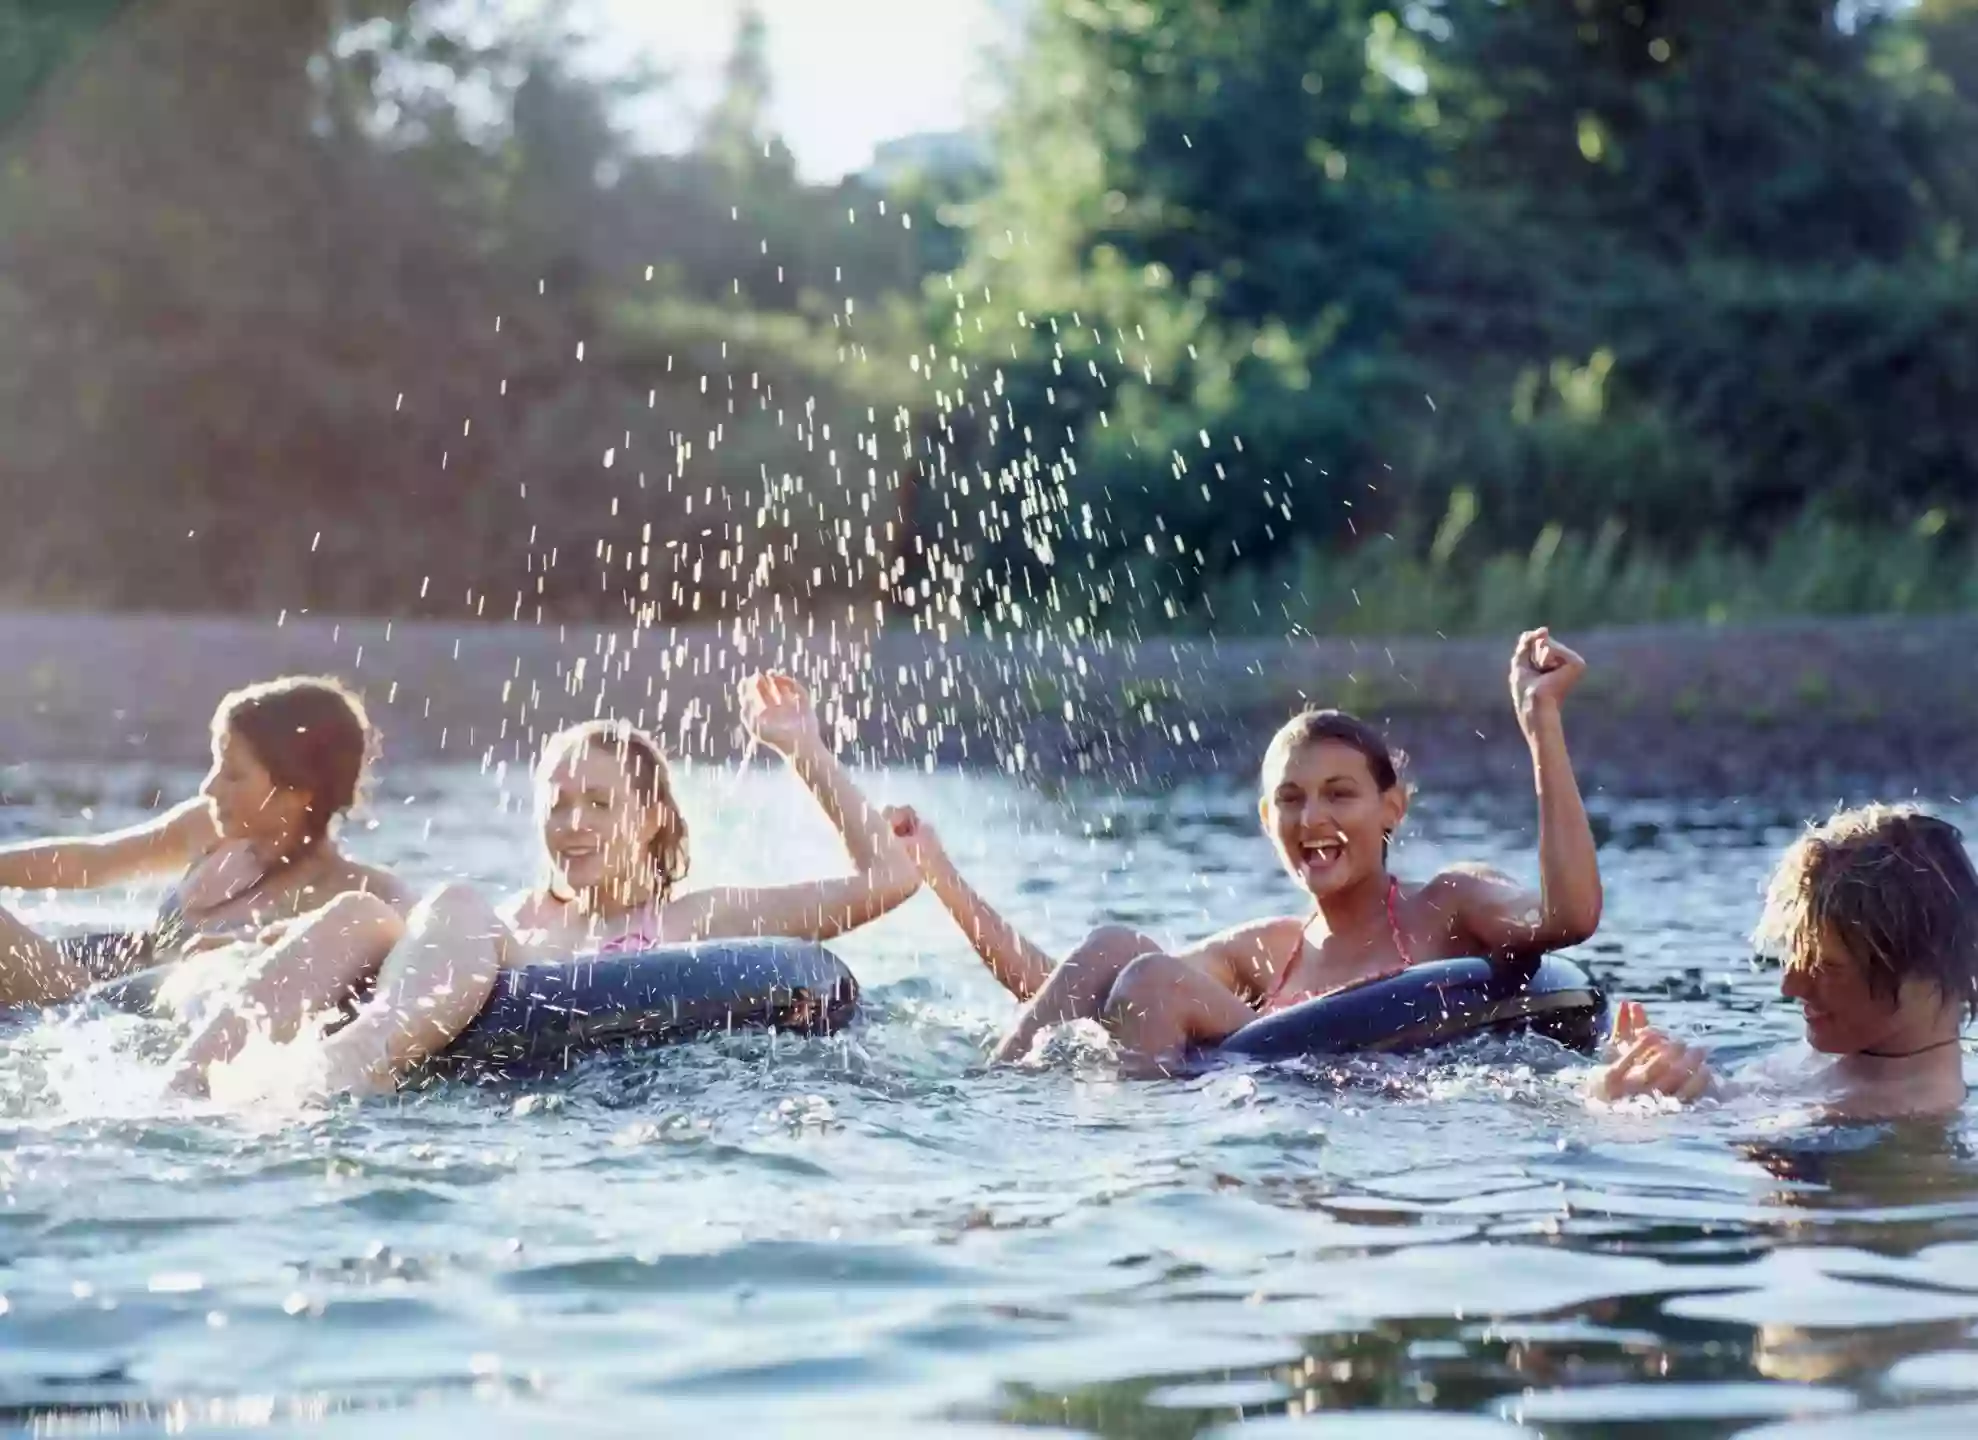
[
  {"x": 1328, "y": 816},
  {"x": 596, "y": 828}
]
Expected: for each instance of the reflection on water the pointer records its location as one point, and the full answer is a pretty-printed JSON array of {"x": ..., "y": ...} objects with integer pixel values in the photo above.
[{"x": 873, "y": 1231}]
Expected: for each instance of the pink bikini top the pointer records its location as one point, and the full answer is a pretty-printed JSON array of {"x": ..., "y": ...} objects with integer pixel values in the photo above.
[
  {"x": 630, "y": 943},
  {"x": 1298, "y": 946}
]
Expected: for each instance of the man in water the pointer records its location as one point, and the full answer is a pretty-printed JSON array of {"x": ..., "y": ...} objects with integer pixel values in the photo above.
[{"x": 1875, "y": 917}]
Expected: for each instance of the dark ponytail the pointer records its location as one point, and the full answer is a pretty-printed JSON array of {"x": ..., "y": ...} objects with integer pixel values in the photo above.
[{"x": 311, "y": 735}]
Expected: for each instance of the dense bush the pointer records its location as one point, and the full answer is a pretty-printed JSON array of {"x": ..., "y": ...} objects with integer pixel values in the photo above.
[
  {"x": 1291, "y": 283},
  {"x": 1337, "y": 313}
]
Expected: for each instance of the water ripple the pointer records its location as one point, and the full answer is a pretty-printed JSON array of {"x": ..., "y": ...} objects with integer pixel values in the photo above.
[{"x": 875, "y": 1234}]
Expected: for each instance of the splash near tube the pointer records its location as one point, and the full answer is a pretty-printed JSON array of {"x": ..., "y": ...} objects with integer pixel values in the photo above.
[{"x": 1434, "y": 1004}]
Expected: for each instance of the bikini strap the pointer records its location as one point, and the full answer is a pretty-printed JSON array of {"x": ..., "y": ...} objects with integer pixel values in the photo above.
[
  {"x": 1394, "y": 922},
  {"x": 173, "y": 923},
  {"x": 1291, "y": 960}
]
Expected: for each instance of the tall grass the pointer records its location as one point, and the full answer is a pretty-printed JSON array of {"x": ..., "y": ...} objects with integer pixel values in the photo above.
[{"x": 1814, "y": 567}]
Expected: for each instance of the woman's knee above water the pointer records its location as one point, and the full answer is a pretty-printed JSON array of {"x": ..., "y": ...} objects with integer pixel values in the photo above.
[
  {"x": 360, "y": 910},
  {"x": 1117, "y": 943},
  {"x": 1145, "y": 980},
  {"x": 459, "y": 909}
]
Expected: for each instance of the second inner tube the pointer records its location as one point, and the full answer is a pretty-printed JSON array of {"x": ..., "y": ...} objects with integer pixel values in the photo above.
[
  {"x": 1433, "y": 1004},
  {"x": 547, "y": 1014}
]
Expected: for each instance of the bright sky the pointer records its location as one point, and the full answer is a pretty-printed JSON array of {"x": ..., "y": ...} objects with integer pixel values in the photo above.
[{"x": 847, "y": 73}]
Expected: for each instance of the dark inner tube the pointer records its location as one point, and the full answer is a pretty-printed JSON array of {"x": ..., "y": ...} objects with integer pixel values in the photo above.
[
  {"x": 546, "y": 1016},
  {"x": 1433, "y": 1004}
]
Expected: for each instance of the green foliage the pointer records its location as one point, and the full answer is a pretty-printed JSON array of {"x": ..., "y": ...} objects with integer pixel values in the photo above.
[
  {"x": 1334, "y": 313},
  {"x": 1667, "y": 293},
  {"x": 1575, "y": 580},
  {"x": 1685, "y": 128},
  {"x": 372, "y": 306},
  {"x": 36, "y": 38}
]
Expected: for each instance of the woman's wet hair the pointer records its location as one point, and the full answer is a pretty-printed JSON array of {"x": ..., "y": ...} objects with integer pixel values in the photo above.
[
  {"x": 645, "y": 764},
  {"x": 311, "y": 734},
  {"x": 1314, "y": 727},
  {"x": 1896, "y": 887}
]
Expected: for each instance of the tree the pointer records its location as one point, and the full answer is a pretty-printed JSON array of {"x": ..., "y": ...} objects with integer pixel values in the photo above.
[
  {"x": 1684, "y": 128},
  {"x": 286, "y": 310},
  {"x": 37, "y": 39},
  {"x": 1208, "y": 234},
  {"x": 736, "y": 133},
  {"x": 1297, "y": 277}
]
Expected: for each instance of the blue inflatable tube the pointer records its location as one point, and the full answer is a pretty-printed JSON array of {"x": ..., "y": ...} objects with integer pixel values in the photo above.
[
  {"x": 1434, "y": 1004},
  {"x": 546, "y": 1016}
]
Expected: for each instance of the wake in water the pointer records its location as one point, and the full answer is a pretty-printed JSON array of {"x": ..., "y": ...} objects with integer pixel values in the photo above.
[
  {"x": 86, "y": 1065},
  {"x": 82, "y": 1067}
]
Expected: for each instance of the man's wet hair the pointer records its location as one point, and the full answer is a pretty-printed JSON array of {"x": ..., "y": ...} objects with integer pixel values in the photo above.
[{"x": 1893, "y": 884}]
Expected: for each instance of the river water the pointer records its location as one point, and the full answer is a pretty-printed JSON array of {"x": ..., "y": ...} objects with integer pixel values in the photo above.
[{"x": 872, "y": 1234}]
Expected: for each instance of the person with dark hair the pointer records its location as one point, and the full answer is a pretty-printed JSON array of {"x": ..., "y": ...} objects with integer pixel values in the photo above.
[
  {"x": 255, "y": 847},
  {"x": 1332, "y": 799},
  {"x": 1874, "y": 919},
  {"x": 614, "y": 851}
]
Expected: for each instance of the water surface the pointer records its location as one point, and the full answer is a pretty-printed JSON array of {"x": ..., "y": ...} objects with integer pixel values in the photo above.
[{"x": 872, "y": 1233}]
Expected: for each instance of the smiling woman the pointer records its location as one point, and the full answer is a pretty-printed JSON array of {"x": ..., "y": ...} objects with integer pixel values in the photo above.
[
  {"x": 1332, "y": 799},
  {"x": 614, "y": 843},
  {"x": 614, "y": 840}
]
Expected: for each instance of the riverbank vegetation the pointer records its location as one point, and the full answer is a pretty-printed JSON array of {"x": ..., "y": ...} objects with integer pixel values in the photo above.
[{"x": 1326, "y": 315}]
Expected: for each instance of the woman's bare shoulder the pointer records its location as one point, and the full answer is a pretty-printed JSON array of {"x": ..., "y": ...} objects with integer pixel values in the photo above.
[
  {"x": 1462, "y": 879},
  {"x": 1251, "y": 933},
  {"x": 1460, "y": 888},
  {"x": 1245, "y": 957}
]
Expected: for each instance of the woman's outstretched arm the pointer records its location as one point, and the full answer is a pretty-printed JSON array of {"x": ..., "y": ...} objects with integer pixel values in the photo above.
[
  {"x": 778, "y": 712},
  {"x": 1019, "y": 966},
  {"x": 35, "y": 970},
  {"x": 171, "y": 841}
]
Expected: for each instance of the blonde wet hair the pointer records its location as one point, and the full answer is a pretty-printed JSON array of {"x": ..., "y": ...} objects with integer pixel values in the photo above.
[{"x": 1893, "y": 884}]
